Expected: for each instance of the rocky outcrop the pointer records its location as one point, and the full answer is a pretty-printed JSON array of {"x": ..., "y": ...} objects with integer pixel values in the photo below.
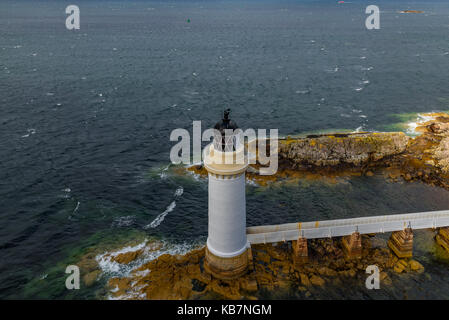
[
  {"x": 354, "y": 149},
  {"x": 396, "y": 155},
  {"x": 441, "y": 155},
  {"x": 126, "y": 257},
  {"x": 426, "y": 157},
  {"x": 184, "y": 277}
]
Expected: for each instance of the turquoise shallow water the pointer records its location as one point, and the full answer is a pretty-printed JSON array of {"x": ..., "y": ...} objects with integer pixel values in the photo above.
[{"x": 85, "y": 117}]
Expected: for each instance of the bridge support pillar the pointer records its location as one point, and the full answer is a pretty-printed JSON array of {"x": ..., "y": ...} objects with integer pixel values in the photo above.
[
  {"x": 352, "y": 245},
  {"x": 300, "y": 251},
  {"x": 401, "y": 243},
  {"x": 442, "y": 238}
]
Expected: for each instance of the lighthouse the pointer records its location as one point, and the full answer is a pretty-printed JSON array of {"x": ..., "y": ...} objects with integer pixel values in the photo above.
[{"x": 227, "y": 250}]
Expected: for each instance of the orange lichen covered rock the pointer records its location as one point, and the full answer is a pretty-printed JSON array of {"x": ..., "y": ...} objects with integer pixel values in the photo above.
[
  {"x": 184, "y": 277},
  {"x": 127, "y": 257}
]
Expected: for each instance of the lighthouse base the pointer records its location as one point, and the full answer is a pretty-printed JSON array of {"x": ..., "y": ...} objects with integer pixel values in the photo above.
[{"x": 227, "y": 268}]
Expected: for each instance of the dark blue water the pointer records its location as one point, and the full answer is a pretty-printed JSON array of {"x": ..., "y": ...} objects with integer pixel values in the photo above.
[{"x": 85, "y": 116}]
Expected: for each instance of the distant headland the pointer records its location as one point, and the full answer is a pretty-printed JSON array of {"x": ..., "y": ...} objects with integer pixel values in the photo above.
[{"x": 411, "y": 11}]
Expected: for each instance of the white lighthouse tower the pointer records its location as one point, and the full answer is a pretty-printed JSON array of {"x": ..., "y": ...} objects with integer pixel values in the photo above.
[{"x": 227, "y": 246}]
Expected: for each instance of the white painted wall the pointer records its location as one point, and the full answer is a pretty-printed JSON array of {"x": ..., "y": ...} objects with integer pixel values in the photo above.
[{"x": 227, "y": 216}]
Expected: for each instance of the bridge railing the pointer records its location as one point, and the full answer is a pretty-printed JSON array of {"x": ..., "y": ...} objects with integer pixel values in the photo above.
[{"x": 343, "y": 227}]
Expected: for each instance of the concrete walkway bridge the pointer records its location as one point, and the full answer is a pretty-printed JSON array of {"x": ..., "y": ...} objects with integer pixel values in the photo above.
[{"x": 350, "y": 229}]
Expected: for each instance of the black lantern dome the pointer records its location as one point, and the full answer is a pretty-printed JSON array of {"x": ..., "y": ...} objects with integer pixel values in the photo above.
[{"x": 221, "y": 141}]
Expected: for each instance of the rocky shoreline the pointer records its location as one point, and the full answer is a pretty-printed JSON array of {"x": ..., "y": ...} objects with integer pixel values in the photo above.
[
  {"x": 183, "y": 276},
  {"x": 423, "y": 158}
]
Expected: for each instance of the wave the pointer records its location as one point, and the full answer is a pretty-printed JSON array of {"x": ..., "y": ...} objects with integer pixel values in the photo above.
[
  {"x": 110, "y": 267},
  {"x": 333, "y": 70},
  {"x": 151, "y": 251},
  {"x": 420, "y": 120},
  {"x": 30, "y": 132},
  {"x": 163, "y": 174},
  {"x": 158, "y": 220},
  {"x": 77, "y": 207},
  {"x": 179, "y": 191}
]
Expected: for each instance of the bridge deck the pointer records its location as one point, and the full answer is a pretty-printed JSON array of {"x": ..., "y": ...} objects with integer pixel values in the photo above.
[{"x": 343, "y": 227}]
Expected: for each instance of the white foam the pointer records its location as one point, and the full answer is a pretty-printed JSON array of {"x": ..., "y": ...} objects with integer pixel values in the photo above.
[
  {"x": 420, "y": 120},
  {"x": 131, "y": 295},
  {"x": 252, "y": 183},
  {"x": 30, "y": 132},
  {"x": 108, "y": 266},
  {"x": 124, "y": 221},
  {"x": 163, "y": 173},
  {"x": 333, "y": 70},
  {"x": 77, "y": 207},
  {"x": 115, "y": 289},
  {"x": 158, "y": 220},
  {"x": 195, "y": 175},
  {"x": 111, "y": 268},
  {"x": 179, "y": 191},
  {"x": 142, "y": 273}
]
